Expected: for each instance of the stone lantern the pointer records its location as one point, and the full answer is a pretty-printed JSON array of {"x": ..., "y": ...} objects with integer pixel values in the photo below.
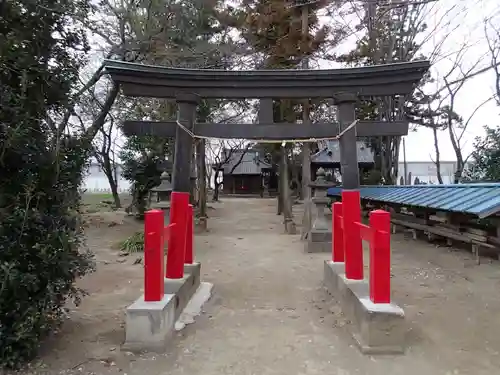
[
  {"x": 317, "y": 228},
  {"x": 164, "y": 190}
]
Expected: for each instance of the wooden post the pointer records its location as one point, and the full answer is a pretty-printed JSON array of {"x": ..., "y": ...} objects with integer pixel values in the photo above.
[
  {"x": 189, "y": 257},
  {"x": 153, "y": 256},
  {"x": 353, "y": 247},
  {"x": 337, "y": 233},
  {"x": 380, "y": 257}
]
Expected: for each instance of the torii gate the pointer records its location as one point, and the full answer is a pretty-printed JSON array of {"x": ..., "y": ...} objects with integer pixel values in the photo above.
[{"x": 188, "y": 86}]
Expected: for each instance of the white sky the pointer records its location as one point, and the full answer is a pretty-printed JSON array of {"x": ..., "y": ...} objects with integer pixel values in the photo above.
[
  {"x": 468, "y": 16},
  {"x": 465, "y": 20},
  {"x": 419, "y": 145}
]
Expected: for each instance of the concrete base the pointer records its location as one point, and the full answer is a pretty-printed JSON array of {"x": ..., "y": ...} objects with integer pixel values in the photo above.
[
  {"x": 184, "y": 288},
  {"x": 202, "y": 225},
  {"x": 149, "y": 325},
  {"x": 290, "y": 227},
  {"x": 195, "y": 306},
  {"x": 318, "y": 241},
  {"x": 195, "y": 270},
  {"x": 377, "y": 328}
]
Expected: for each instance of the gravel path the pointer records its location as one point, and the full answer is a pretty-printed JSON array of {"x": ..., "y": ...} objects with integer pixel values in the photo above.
[{"x": 270, "y": 315}]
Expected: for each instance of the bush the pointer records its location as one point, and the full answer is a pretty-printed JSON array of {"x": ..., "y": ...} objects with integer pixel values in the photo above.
[
  {"x": 41, "y": 52},
  {"x": 40, "y": 237}
]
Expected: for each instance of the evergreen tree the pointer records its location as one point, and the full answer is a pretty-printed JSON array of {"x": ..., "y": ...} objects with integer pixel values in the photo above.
[
  {"x": 276, "y": 32},
  {"x": 485, "y": 159},
  {"x": 42, "y": 48},
  {"x": 190, "y": 34}
]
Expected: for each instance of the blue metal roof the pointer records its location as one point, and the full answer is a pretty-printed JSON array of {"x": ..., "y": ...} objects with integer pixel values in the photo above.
[{"x": 481, "y": 200}]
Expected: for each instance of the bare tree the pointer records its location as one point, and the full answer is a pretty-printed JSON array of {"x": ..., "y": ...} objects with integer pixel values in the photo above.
[
  {"x": 152, "y": 32},
  {"x": 103, "y": 150},
  {"x": 447, "y": 112},
  {"x": 457, "y": 126},
  {"x": 492, "y": 36},
  {"x": 225, "y": 153},
  {"x": 401, "y": 31}
]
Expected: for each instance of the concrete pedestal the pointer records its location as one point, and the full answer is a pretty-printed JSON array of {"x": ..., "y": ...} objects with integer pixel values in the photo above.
[
  {"x": 314, "y": 221},
  {"x": 318, "y": 240},
  {"x": 149, "y": 325},
  {"x": 184, "y": 288},
  {"x": 195, "y": 270},
  {"x": 377, "y": 328}
]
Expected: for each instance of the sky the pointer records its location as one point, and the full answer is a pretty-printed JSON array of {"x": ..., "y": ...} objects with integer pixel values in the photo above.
[
  {"x": 419, "y": 145},
  {"x": 463, "y": 20}
]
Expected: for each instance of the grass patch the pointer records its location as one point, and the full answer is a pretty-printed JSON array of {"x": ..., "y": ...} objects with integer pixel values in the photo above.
[{"x": 133, "y": 244}]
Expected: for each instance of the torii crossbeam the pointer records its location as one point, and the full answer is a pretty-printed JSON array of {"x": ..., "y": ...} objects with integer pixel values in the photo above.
[{"x": 273, "y": 132}]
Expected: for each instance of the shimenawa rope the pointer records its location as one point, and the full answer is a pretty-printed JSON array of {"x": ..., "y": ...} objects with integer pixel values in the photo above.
[{"x": 284, "y": 141}]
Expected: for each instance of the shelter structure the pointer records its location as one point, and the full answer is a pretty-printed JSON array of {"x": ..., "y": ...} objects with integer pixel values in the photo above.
[
  {"x": 245, "y": 172},
  {"x": 328, "y": 157}
]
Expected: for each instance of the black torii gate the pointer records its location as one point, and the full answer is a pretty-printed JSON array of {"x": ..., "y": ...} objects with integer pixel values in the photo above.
[{"x": 188, "y": 86}]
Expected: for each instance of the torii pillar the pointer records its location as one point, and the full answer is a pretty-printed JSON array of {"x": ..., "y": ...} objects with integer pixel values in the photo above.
[
  {"x": 350, "y": 182},
  {"x": 181, "y": 185}
]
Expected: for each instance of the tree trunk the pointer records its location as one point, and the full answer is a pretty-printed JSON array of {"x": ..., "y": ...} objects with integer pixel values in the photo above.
[
  {"x": 279, "y": 197},
  {"x": 114, "y": 192},
  {"x": 109, "y": 171},
  {"x": 438, "y": 156},
  {"x": 215, "y": 196},
  {"x": 202, "y": 182},
  {"x": 458, "y": 154},
  {"x": 286, "y": 195},
  {"x": 217, "y": 185},
  {"x": 306, "y": 147}
]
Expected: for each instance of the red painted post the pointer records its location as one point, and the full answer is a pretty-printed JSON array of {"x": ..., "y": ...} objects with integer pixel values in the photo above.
[
  {"x": 338, "y": 233},
  {"x": 353, "y": 247},
  {"x": 179, "y": 202},
  {"x": 189, "y": 258},
  {"x": 380, "y": 257},
  {"x": 153, "y": 256}
]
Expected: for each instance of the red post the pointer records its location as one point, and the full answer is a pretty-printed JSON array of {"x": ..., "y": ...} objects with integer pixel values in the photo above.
[
  {"x": 353, "y": 247},
  {"x": 338, "y": 233},
  {"x": 179, "y": 202},
  {"x": 153, "y": 256},
  {"x": 380, "y": 257},
  {"x": 189, "y": 258}
]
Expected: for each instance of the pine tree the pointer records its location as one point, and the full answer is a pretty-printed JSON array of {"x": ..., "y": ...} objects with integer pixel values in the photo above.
[{"x": 274, "y": 30}]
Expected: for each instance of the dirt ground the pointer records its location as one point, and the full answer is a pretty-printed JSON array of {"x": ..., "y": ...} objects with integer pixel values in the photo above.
[{"x": 269, "y": 313}]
